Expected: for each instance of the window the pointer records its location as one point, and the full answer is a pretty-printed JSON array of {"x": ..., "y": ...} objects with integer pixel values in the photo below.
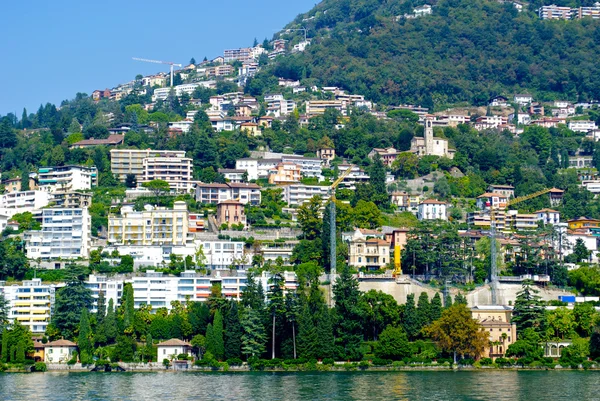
[{"x": 164, "y": 351}]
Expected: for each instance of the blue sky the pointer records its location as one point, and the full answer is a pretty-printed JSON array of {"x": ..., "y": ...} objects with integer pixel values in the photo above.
[{"x": 54, "y": 49}]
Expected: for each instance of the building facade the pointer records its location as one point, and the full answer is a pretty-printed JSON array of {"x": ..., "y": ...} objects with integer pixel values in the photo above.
[
  {"x": 67, "y": 178},
  {"x": 31, "y": 304}
]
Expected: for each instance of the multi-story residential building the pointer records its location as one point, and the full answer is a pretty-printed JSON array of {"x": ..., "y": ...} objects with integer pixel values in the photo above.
[
  {"x": 67, "y": 178},
  {"x": 296, "y": 194},
  {"x": 231, "y": 212},
  {"x": 400, "y": 200},
  {"x": 582, "y": 125},
  {"x": 548, "y": 122},
  {"x": 484, "y": 122},
  {"x": 131, "y": 161},
  {"x": 490, "y": 200},
  {"x": 175, "y": 170},
  {"x": 518, "y": 221},
  {"x": 482, "y": 219},
  {"x": 548, "y": 216},
  {"x": 71, "y": 199},
  {"x": 285, "y": 173},
  {"x": 318, "y": 107},
  {"x": 591, "y": 12},
  {"x": 215, "y": 193},
  {"x": 242, "y": 54},
  {"x": 152, "y": 226},
  {"x": 432, "y": 209},
  {"x": 327, "y": 154},
  {"x": 111, "y": 288},
  {"x": 496, "y": 319},
  {"x": 523, "y": 99},
  {"x": 31, "y": 304},
  {"x": 555, "y": 12},
  {"x": 506, "y": 190},
  {"x": 65, "y": 234},
  {"x": 181, "y": 126},
  {"x": 23, "y": 201},
  {"x": 372, "y": 254},
  {"x": 309, "y": 166},
  {"x": 356, "y": 176}
]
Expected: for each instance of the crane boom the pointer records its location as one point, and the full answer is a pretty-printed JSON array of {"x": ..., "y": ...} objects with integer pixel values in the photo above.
[
  {"x": 170, "y": 63},
  {"x": 493, "y": 250}
]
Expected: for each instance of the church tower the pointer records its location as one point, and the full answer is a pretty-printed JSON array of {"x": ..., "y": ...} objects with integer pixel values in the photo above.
[{"x": 428, "y": 136}]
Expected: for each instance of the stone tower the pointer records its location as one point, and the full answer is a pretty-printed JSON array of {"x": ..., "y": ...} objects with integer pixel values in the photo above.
[{"x": 428, "y": 136}]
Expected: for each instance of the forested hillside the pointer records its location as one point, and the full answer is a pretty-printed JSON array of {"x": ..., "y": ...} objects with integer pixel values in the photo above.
[{"x": 466, "y": 51}]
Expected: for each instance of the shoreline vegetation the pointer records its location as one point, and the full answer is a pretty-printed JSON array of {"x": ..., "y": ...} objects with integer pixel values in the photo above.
[{"x": 311, "y": 366}]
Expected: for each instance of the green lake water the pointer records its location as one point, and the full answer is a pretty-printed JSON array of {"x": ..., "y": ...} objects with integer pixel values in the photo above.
[{"x": 436, "y": 385}]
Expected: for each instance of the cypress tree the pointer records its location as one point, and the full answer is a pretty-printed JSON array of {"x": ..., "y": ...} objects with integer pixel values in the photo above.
[
  {"x": 460, "y": 299},
  {"x": 218, "y": 336},
  {"x": 233, "y": 332},
  {"x": 423, "y": 309},
  {"x": 101, "y": 308},
  {"x": 210, "y": 339},
  {"x": 20, "y": 353},
  {"x": 110, "y": 323},
  {"x": 435, "y": 308},
  {"x": 83, "y": 341},
  {"x": 410, "y": 319},
  {"x": 128, "y": 306},
  {"x": 447, "y": 300}
]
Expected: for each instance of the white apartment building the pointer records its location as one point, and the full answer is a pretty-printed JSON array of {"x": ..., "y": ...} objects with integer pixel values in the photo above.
[
  {"x": 31, "y": 304},
  {"x": 152, "y": 226},
  {"x": 432, "y": 209},
  {"x": 67, "y": 178},
  {"x": 356, "y": 176},
  {"x": 179, "y": 90},
  {"x": 175, "y": 170},
  {"x": 491, "y": 121},
  {"x": 548, "y": 216},
  {"x": 65, "y": 234},
  {"x": 318, "y": 107},
  {"x": 296, "y": 194},
  {"x": 112, "y": 289},
  {"x": 555, "y": 12},
  {"x": 23, "y": 201},
  {"x": 232, "y": 175},
  {"x": 257, "y": 168},
  {"x": 217, "y": 193},
  {"x": 309, "y": 166},
  {"x": 184, "y": 125},
  {"x": 131, "y": 161},
  {"x": 582, "y": 126}
]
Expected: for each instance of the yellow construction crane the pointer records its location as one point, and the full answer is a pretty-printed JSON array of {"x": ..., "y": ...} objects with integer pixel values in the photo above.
[{"x": 493, "y": 251}]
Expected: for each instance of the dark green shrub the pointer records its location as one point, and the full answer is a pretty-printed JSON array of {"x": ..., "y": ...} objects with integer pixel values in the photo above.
[
  {"x": 234, "y": 362},
  {"x": 381, "y": 362},
  {"x": 486, "y": 361},
  {"x": 504, "y": 362},
  {"x": 40, "y": 367},
  {"x": 466, "y": 362},
  {"x": 328, "y": 361},
  {"x": 183, "y": 357}
]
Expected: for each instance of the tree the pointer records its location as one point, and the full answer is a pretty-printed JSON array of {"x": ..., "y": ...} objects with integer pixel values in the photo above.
[
  {"x": 586, "y": 318},
  {"x": 254, "y": 337},
  {"x": 276, "y": 305},
  {"x": 457, "y": 332},
  {"x": 110, "y": 322},
  {"x": 127, "y": 305},
  {"x": 124, "y": 350},
  {"x": 528, "y": 311},
  {"x": 560, "y": 323},
  {"x": 158, "y": 187},
  {"x": 410, "y": 318},
  {"x": 233, "y": 332},
  {"x": 379, "y": 311},
  {"x": 70, "y": 301},
  {"x": 218, "y": 350},
  {"x": 309, "y": 218},
  {"x": 580, "y": 251},
  {"x": 393, "y": 344},
  {"x": 405, "y": 165},
  {"x": 348, "y": 315},
  {"x": 130, "y": 181},
  {"x": 4, "y": 310},
  {"x": 84, "y": 342},
  {"x": 366, "y": 215},
  {"x": 435, "y": 308},
  {"x": 193, "y": 61},
  {"x": 377, "y": 181}
]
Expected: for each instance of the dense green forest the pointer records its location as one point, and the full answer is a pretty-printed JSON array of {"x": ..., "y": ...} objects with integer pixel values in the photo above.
[{"x": 466, "y": 51}]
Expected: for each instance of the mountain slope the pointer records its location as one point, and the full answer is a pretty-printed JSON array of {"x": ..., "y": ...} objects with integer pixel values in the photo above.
[{"x": 466, "y": 51}]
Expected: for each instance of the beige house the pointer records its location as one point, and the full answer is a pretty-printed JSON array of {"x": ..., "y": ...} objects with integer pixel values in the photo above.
[
  {"x": 372, "y": 253},
  {"x": 59, "y": 351},
  {"x": 285, "y": 173},
  {"x": 326, "y": 154},
  {"x": 231, "y": 212},
  {"x": 495, "y": 319},
  {"x": 251, "y": 129}
]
